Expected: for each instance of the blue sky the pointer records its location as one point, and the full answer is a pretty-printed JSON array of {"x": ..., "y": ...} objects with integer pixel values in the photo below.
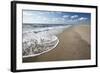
[{"x": 53, "y": 17}]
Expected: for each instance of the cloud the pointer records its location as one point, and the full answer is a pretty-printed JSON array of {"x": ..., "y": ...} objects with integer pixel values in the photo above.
[
  {"x": 40, "y": 13},
  {"x": 32, "y": 13},
  {"x": 65, "y": 16},
  {"x": 82, "y": 18},
  {"x": 49, "y": 13},
  {"x": 74, "y": 16},
  {"x": 56, "y": 19},
  {"x": 45, "y": 19}
]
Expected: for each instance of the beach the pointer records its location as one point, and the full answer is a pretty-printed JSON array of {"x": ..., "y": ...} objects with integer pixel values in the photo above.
[{"x": 74, "y": 44}]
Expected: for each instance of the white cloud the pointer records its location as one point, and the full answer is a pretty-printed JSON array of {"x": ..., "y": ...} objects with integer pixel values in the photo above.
[
  {"x": 82, "y": 18},
  {"x": 65, "y": 16},
  {"x": 74, "y": 16},
  {"x": 54, "y": 19},
  {"x": 44, "y": 19},
  {"x": 40, "y": 13}
]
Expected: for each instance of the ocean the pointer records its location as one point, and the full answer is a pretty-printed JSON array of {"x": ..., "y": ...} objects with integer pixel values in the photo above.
[{"x": 50, "y": 28}]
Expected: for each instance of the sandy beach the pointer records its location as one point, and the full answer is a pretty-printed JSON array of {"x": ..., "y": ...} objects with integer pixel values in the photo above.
[{"x": 74, "y": 45}]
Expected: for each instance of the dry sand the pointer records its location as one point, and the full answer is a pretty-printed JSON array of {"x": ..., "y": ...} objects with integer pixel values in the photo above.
[{"x": 74, "y": 45}]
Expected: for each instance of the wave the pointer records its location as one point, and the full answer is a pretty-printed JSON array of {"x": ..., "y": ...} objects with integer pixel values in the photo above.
[
  {"x": 37, "y": 41},
  {"x": 53, "y": 30}
]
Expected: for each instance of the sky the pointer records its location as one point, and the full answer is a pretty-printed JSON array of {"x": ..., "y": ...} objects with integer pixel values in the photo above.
[{"x": 55, "y": 17}]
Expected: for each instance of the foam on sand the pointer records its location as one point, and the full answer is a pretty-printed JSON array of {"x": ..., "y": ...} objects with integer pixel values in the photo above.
[{"x": 36, "y": 42}]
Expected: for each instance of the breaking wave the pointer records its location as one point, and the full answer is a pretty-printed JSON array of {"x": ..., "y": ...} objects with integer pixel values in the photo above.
[{"x": 39, "y": 40}]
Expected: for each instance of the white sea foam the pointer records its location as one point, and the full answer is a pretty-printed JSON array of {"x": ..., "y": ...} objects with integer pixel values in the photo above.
[{"x": 40, "y": 40}]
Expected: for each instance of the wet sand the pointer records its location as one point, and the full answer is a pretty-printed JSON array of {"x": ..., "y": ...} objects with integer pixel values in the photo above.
[{"x": 74, "y": 45}]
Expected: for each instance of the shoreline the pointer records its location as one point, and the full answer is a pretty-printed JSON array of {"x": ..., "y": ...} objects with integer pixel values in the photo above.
[{"x": 74, "y": 45}]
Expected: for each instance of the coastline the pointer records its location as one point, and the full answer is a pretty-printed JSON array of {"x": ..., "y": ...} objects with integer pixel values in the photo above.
[{"x": 74, "y": 45}]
